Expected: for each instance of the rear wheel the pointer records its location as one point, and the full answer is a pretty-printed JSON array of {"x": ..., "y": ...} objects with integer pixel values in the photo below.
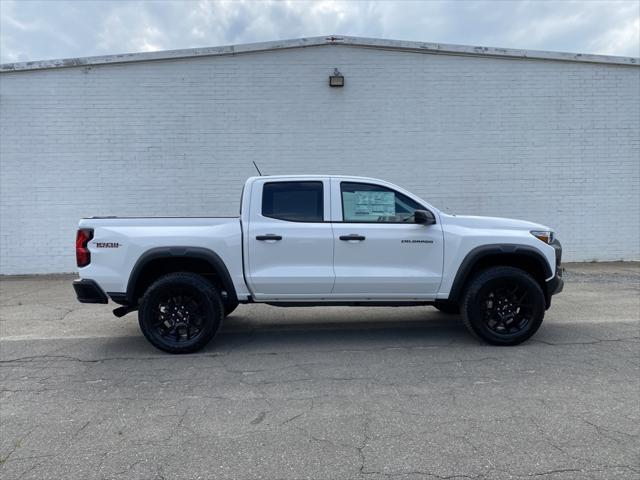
[
  {"x": 503, "y": 306},
  {"x": 180, "y": 312}
]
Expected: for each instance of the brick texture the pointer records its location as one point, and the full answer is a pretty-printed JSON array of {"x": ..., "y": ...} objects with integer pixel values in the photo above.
[{"x": 548, "y": 141}]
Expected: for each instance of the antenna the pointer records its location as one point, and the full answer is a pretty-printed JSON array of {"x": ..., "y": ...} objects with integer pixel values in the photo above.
[{"x": 259, "y": 172}]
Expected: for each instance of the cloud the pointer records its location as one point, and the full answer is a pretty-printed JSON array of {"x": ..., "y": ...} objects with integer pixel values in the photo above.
[
  {"x": 624, "y": 38},
  {"x": 32, "y": 30}
]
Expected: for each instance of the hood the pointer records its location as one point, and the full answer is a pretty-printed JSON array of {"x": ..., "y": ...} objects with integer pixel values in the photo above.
[{"x": 492, "y": 222}]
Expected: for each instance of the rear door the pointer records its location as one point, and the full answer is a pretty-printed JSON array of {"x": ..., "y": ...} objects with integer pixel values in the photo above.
[
  {"x": 290, "y": 241},
  {"x": 380, "y": 253}
]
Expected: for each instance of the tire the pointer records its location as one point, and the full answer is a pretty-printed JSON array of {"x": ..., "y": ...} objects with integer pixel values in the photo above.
[
  {"x": 503, "y": 306},
  {"x": 180, "y": 313},
  {"x": 450, "y": 308}
]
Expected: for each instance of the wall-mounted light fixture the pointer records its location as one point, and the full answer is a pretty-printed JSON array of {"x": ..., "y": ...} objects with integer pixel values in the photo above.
[{"x": 336, "y": 80}]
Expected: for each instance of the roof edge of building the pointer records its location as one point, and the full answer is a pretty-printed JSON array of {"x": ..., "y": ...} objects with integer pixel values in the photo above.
[{"x": 376, "y": 43}]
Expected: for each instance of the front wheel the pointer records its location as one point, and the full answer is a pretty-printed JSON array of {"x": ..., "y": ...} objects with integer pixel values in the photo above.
[
  {"x": 503, "y": 306},
  {"x": 180, "y": 312}
]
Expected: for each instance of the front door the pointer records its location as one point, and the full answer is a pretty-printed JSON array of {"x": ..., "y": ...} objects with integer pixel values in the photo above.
[
  {"x": 290, "y": 242},
  {"x": 380, "y": 253}
]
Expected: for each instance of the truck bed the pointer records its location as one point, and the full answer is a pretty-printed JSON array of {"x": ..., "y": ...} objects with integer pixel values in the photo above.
[{"x": 119, "y": 242}]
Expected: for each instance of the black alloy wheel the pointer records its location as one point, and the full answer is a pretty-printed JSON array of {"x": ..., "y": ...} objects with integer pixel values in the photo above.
[
  {"x": 506, "y": 309},
  {"x": 180, "y": 312},
  {"x": 179, "y": 316},
  {"x": 503, "y": 306}
]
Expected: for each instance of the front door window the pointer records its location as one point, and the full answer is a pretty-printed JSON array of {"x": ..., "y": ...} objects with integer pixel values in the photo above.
[{"x": 363, "y": 202}]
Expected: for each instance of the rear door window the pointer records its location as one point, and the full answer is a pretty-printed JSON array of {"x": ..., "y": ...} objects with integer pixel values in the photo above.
[{"x": 293, "y": 201}]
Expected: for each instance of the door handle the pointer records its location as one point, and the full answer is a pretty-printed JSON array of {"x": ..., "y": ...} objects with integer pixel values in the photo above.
[
  {"x": 353, "y": 236},
  {"x": 269, "y": 236}
]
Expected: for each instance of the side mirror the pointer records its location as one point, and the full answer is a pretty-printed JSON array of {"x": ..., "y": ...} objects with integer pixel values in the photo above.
[{"x": 424, "y": 217}]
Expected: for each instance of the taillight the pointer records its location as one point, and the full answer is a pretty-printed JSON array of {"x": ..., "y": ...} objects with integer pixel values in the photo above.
[{"x": 83, "y": 255}]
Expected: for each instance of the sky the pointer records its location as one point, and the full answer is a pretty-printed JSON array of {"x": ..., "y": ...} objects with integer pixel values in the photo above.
[{"x": 38, "y": 30}]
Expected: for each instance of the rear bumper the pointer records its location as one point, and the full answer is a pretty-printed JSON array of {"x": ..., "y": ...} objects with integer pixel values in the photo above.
[{"x": 88, "y": 291}]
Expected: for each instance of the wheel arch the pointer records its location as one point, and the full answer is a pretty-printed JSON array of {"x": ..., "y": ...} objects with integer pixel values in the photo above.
[
  {"x": 163, "y": 260},
  {"x": 525, "y": 257}
]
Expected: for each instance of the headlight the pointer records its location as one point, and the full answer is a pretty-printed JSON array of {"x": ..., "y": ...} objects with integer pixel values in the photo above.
[{"x": 545, "y": 235}]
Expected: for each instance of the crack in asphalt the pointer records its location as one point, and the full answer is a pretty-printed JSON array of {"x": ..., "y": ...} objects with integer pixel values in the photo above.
[
  {"x": 600, "y": 429},
  {"x": 425, "y": 473},
  {"x": 553, "y": 472},
  {"x": 36, "y": 358},
  {"x": 594, "y": 342},
  {"x": 222, "y": 355},
  {"x": 16, "y": 445},
  {"x": 365, "y": 441}
]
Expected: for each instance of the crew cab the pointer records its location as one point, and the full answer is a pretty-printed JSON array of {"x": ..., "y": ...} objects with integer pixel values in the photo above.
[{"x": 319, "y": 240}]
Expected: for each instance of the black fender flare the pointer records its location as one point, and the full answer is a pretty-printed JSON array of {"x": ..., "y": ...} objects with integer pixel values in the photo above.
[
  {"x": 198, "y": 253},
  {"x": 478, "y": 253}
]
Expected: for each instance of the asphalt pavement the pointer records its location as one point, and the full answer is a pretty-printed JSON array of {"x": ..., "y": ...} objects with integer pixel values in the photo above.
[{"x": 322, "y": 393}]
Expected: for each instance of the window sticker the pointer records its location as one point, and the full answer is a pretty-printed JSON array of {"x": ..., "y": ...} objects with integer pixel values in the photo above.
[
  {"x": 368, "y": 205},
  {"x": 375, "y": 203}
]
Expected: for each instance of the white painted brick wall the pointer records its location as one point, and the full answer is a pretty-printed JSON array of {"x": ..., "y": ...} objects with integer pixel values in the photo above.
[{"x": 552, "y": 142}]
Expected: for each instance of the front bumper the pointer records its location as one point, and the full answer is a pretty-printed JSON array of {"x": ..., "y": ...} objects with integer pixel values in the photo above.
[
  {"x": 556, "y": 284},
  {"x": 88, "y": 291}
]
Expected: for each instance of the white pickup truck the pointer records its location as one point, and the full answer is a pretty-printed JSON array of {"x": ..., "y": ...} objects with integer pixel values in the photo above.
[{"x": 319, "y": 240}]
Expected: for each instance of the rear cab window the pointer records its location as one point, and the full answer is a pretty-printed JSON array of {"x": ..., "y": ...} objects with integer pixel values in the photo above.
[{"x": 293, "y": 201}]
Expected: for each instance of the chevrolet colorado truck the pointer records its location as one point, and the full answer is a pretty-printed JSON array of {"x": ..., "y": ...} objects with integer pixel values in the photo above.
[{"x": 319, "y": 240}]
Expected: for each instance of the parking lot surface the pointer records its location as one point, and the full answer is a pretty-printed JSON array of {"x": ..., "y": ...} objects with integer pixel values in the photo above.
[{"x": 322, "y": 393}]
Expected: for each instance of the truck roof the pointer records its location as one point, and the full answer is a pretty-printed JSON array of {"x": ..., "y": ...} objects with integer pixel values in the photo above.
[{"x": 302, "y": 175}]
